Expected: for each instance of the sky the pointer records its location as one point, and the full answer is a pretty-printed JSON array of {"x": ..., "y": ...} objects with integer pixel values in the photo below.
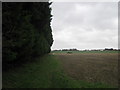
[{"x": 84, "y": 25}]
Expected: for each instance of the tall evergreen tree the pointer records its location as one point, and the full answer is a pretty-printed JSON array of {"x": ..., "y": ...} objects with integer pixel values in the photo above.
[{"x": 26, "y": 30}]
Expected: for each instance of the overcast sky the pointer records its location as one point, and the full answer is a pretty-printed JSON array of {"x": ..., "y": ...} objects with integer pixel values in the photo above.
[{"x": 88, "y": 25}]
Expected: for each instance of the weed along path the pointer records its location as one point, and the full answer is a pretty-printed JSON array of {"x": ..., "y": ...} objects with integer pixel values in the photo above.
[
  {"x": 63, "y": 71},
  {"x": 91, "y": 67}
]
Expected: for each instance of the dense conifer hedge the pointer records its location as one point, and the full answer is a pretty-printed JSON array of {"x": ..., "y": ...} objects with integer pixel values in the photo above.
[{"x": 26, "y": 30}]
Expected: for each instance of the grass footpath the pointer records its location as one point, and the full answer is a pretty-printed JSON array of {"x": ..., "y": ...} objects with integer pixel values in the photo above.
[{"x": 45, "y": 72}]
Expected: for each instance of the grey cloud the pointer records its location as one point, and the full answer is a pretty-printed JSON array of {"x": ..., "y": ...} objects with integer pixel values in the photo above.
[{"x": 84, "y": 25}]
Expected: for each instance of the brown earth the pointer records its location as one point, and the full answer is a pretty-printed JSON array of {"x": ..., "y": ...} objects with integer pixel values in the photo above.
[{"x": 91, "y": 67}]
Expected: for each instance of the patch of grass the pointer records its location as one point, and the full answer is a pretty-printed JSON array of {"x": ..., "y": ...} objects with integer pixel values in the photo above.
[{"x": 44, "y": 72}]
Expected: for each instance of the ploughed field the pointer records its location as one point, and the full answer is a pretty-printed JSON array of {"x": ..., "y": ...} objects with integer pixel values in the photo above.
[
  {"x": 64, "y": 70},
  {"x": 91, "y": 67}
]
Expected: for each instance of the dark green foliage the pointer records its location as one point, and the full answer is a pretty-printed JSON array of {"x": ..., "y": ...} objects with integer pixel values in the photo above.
[{"x": 26, "y": 30}]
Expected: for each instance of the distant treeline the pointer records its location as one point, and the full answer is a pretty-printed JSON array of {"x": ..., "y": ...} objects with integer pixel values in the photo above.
[
  {"x": 26, "y": 30},
  {"x": 74, "y": 49},
  {"x": 106, "y": 49}
]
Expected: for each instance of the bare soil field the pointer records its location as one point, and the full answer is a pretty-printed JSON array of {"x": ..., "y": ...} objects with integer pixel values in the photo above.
[{"x": 91, "y": 67}]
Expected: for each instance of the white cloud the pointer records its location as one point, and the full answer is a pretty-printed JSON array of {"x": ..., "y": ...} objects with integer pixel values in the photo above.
[{"x": 84, "y": 25}]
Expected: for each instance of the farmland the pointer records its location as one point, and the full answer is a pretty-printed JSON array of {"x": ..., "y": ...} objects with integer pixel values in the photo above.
[
  {"x": 64, "y": 70},
  {"x": 91, "y": 66}
]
